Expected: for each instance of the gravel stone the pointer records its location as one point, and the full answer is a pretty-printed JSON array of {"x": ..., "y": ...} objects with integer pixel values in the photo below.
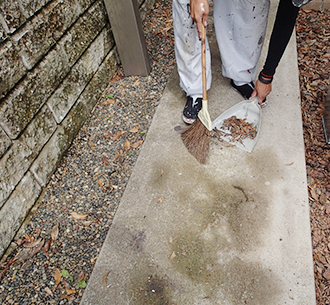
[{"x": 91, "y": 178}]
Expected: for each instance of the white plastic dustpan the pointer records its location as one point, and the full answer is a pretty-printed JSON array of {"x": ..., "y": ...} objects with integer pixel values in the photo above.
[{"x": 249, "y": 110}]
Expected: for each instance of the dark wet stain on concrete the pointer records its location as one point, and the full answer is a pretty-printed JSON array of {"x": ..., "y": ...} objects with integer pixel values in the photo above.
[
  {"x": 222, "y": 221},
  {"x": 138, "y": 239},
  {"x": 151, "y": 288}
]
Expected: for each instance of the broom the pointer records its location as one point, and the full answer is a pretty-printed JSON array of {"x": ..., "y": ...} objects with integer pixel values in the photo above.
[{"x": 197, "y": 137}]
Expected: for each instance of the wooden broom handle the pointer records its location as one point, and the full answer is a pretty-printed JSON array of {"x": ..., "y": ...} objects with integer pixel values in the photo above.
[{"x": 204, "y": 62}]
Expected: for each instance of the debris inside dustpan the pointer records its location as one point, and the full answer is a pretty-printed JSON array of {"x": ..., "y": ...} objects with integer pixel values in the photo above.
[
  {"x": 235, "y": 129},
  {"x": 240, "y": 124}
]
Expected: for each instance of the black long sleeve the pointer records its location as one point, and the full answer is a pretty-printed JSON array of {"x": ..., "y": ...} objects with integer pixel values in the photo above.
[{"x": 284, "y": 24}]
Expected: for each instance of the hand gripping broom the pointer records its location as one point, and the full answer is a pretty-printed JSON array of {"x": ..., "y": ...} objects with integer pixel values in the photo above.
[{"x": 197, "y": 137}]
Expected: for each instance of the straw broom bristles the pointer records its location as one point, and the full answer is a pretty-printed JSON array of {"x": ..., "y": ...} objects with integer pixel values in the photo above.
[
  {"x": 197, "y": 140},
  {"x": 197, "y": 137}
]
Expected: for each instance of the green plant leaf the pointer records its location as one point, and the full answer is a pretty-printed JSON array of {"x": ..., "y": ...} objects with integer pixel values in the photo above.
[
  {"x": 65, "y": 273},
  {"x": 82, "y": 284}
]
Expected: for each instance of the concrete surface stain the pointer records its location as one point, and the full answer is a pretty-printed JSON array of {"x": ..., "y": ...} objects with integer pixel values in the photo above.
[
  {"x": 138, "y": 240},
  {"x": 160, "y": 176},
  {"x": 222, "y": 221},
  {"x": 151, "y": 289},
  {"x": 228, "y": 220},
  {"x": 233, "y": 217}
]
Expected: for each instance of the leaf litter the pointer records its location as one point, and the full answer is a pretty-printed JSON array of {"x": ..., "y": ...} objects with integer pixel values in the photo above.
[
  {"x": 54, "y": 233},
  {"x": 237, "y": 129},
  {"x": 77, "y": 216},
  {"x": 313, "y": 34}
]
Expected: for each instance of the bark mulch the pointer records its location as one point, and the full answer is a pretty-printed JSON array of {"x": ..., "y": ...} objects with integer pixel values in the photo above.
[
  {"x": 52, "y": 262},
  {"x": 313, "y": 45}
]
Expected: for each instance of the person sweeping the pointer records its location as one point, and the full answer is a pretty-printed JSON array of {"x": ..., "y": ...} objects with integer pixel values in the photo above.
[{"x": 240, "y": 27}]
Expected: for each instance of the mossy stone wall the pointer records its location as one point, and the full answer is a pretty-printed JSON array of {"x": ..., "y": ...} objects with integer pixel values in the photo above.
[{"x": 56, "y": 58}]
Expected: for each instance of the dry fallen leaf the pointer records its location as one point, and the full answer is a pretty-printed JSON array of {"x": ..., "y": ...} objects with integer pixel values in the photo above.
[
  {"x": 173, "y": 255},
  {"x": 87, "y": 222},
  {"x": 57, "y": 276},
  {"x": 33, "y": 244},
  {"x": 110, "y": 101},
  {"x": 22, "y": 256},
  {"x": 100, "y": 182},
  {"x": 78, "y": 216},
  {"x": 326, "y": 275},
  {"x": 38, "y": 231},
  {"x": 313, "y": 194},
  {"x": 289, "y": 164},
  {"x": 37, "y": 248},
  {"x": 104, "y": 280},
  {"x": 137, "y": 144},
  {"x": 70, "y": 291},
  {"x": 127, "y": 145},
  {"x": 18, "y": 242},
  {"x": 134, "y": 130},
  {"x": 170, "y": 240},
  {"x": 54, "y": 233},
  {"x": 48, "y": 291},
  {"x": 27, "y": 238},
  {"x": 162, "y": 172},
  {"x": 119, "y": 154},
  {"x": 46, "y": 247},
  {"x": 114, "y": 136},
  {"x": 136, "y": 82},
  {"x": 105, "y": 161},
  {"x": 69, "y": 298},
  {"x": 81, "y": 276}
]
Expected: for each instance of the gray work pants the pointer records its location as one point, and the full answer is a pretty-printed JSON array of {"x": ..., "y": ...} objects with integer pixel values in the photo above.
[{"x": 240, "y": 27}]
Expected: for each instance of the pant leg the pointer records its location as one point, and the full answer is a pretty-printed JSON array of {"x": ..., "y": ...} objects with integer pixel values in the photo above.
[
  {"x": 240, "y": 27},
  {"x": 188, "y": 50}
]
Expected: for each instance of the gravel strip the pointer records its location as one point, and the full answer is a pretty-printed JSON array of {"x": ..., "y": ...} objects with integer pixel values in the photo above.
[{"x": 84, "y": 193}]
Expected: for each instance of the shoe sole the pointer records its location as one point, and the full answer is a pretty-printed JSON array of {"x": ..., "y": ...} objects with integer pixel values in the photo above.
[{"x": 188, "y": 121}]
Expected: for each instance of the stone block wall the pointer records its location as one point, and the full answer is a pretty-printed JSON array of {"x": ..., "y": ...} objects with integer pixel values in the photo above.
[{"x": 56, "y": 58}]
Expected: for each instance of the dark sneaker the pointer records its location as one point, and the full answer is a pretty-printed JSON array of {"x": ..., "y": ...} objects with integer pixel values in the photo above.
[
  {"x": 246, "y": 91},
  {"x": 191, "y": 110}
]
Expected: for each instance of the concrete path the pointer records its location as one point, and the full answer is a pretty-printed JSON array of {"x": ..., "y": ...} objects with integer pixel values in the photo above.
[{"x": 233, "y": 231}]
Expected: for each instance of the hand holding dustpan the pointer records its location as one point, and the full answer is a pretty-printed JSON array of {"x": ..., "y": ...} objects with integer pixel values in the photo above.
[{"x": 247, "y": 111}]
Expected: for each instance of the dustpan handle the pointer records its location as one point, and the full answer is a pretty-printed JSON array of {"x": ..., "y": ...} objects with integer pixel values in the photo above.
[{"x": 203, "y": 43}]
